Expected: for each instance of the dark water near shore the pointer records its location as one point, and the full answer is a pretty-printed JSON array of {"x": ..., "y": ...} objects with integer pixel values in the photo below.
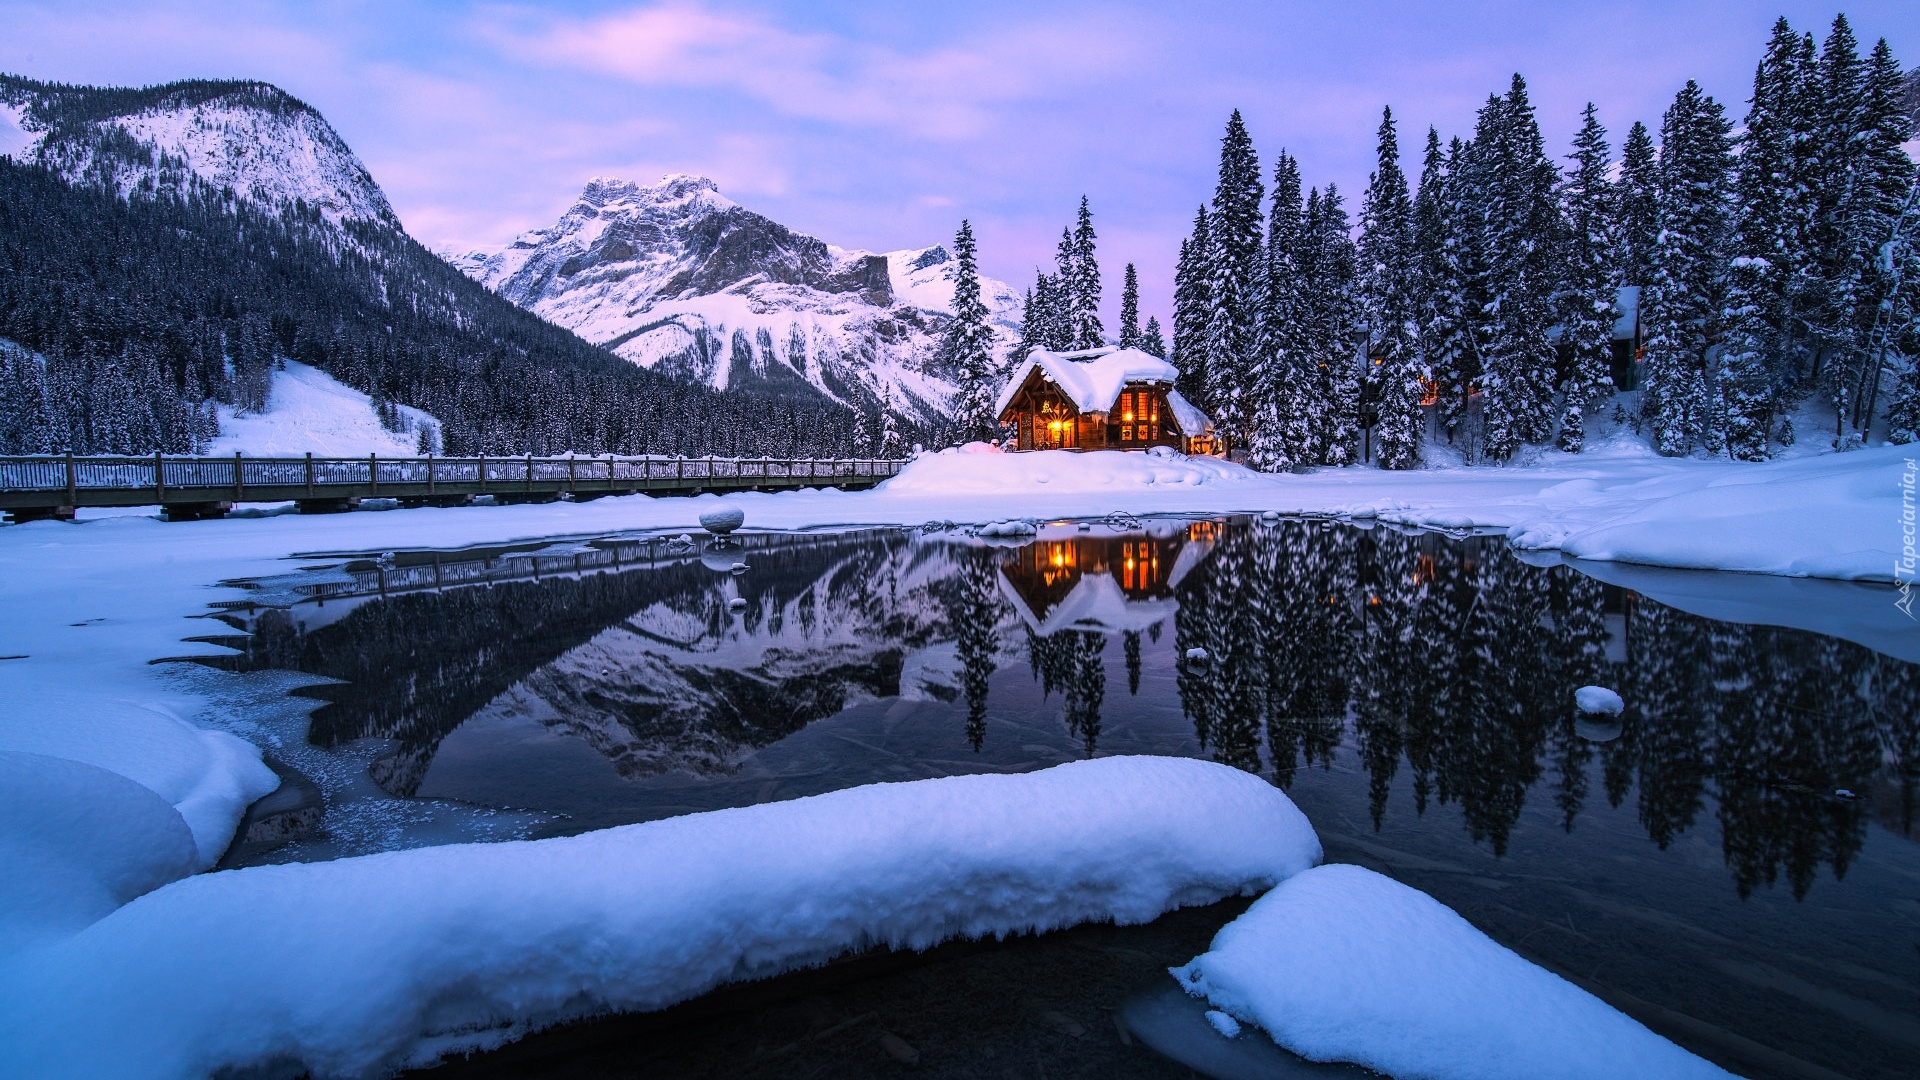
[{"x": 1734, "y": 862}]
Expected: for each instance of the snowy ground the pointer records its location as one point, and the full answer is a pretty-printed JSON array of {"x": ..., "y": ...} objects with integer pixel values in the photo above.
[
  {"x": 139, "y": 791},
  {"x": 311, "y": 412}
]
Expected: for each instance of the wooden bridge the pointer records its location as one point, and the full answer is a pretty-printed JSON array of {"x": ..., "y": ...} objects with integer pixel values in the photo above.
[{"x": 35, "y": 488}]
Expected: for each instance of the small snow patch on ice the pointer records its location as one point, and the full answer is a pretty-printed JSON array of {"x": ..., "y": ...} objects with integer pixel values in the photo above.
[
  {"x": 1224, "y": 1024},
  {"x": 1008, "y": 529},
  {"x": 1598, "y": 699}
]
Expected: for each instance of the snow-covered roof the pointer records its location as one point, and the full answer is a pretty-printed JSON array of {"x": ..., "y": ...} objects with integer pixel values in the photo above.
[
  {"x": 1186, "y": 414},
  {"x": 1093, "y": 378}
]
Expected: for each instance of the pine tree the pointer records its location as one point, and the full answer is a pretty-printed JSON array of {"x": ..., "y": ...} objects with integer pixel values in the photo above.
[
  {"x": 1151, "y": 341},
  {"x": 1444, "y": 347},
  {"x": 1233, "y": 280},
  {"x": 968, "y": 346},
  {"x": 1081, "y": 272},
  {"x": 1279, "y": 377},
  {"x": 1516, "y": 182},
  {"x": 1191, "y": 310},
  {"x": 1130, "y": 310},
  {"x": 1389, "y": 305},
  {"x": 1591, "y": 280},
  {"x": 1875, "y": 225},
  {"x": 1683, "y": 302},
  {"x": 1839, "y": 184},
  {"x": 1324, "y": 420},
  {"x": 1639, "y": 207}
]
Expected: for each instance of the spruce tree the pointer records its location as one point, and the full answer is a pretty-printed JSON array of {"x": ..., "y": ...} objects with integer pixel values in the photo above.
[
  {"x": 1130, "y": 310},
  {"x": 1683, "y": 302},
  {"x": 1517, "y": 183},
  {"x": 1591, "y": 280},
  {"x": 1279, "y": 371},
  {"x": 1151, "y": 341},
  {"x": 1639, "y": 206},
  {"x": 968, "y": 346},
  {"x": 1191, "y": 311},
  {"x": 1323, "y": 423},
  {"x": 1081, "y": 271},
  {"x": 1233, "y": 280},
  {"x": 1879, "y": 222},
  {"x": 1389, "y": 305}
]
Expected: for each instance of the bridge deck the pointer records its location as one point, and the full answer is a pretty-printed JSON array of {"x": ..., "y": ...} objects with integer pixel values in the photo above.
[{"x": 40, "y": 487}]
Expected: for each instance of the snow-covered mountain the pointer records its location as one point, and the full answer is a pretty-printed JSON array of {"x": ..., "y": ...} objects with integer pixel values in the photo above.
[
  {"x": 678, "y": 277},
  {"x": 250, "y": 138}
]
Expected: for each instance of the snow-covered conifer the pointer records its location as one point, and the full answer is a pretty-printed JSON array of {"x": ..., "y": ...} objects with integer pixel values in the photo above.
[
  {"x": 1130, "y": 310},
  {"x": 1277, "y": 383},
  {"x": 1191, "y": 309},
  {"x": 1081, "y": 271},
  {"x": 968, "y": 345},
  {"x": 1517, "y": 182},
  {"x": 1639, "y": 206},
  {"x": 1152, "y": 341},
  {"x": 1389, "y": 307},
  {"x": 1683, "y": 302},
  {"x": 1233, "y": 279},
  {"x": 1591, "y": 280}
]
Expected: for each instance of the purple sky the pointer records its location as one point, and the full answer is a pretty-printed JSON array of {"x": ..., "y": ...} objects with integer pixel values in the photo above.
[{"x": 881, "y": 125}]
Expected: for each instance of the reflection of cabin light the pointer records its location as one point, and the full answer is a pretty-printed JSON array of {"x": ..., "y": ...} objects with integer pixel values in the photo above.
[
  {"x": 1373, "y": 599},
  {"x": 1058, "y": 560}
]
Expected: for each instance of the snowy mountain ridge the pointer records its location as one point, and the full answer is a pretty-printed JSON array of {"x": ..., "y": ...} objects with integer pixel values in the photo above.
[
  {"x": 250, "y": 138},
  {"x": 677, "y": 276}
]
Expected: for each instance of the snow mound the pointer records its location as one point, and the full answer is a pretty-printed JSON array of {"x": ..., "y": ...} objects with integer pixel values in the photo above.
[
  {"x": 1007, "y": 529},
  {"x": 363, "y": 965},
  {"x": 1598, "y": 700},
  {"x": 1343, "y": 964},
  {"x": 1063, "y": 472},
  {"x": 78, "y": 841},
  {"x": 311, "y": 412}
]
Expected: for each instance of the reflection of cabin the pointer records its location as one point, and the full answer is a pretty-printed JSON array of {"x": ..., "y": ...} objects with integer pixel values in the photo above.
[
  {"x": 1101, "y": 399},
  {"x": 1081, "y": 581}
]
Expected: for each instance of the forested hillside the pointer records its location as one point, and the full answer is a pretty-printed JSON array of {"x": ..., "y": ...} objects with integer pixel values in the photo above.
[{"x": 139, "y": 293}]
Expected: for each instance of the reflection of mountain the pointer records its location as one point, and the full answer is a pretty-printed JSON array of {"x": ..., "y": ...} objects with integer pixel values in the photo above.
[{"x": 646, "y": 664}]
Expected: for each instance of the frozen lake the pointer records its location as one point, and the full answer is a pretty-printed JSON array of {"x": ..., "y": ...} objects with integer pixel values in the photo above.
[{"x": 1733, "y": 861}]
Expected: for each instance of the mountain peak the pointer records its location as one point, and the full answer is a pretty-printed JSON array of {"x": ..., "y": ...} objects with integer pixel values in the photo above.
[
  {"x": 675, "y": 190},
  {"x": 249, "y": 138}
]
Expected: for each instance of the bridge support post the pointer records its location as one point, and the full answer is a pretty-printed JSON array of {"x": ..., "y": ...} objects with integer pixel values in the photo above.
[{"x": 159, "y": 479}]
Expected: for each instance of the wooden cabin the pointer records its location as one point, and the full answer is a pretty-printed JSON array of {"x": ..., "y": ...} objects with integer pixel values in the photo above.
[{"x": 1102, "y": 399}]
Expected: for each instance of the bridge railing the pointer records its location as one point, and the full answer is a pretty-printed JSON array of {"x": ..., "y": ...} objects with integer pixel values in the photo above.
[{"x": 159, "y": 472}]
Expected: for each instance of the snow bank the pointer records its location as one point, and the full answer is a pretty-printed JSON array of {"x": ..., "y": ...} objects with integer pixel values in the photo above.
[
  {"x": 365, "y": 964},
  {"x": 78, "y": 841},
  {"x": 1598, "y": 699},
  {"x": 311, "y": 412},
  {"x": 1343, "y": 964},
  {"x": 1832, "y": 516},
  {"x": 1065, "y": 472}
]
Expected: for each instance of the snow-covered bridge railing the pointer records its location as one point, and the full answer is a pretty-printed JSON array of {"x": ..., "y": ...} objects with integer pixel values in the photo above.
[{"x": 43, "y": 487}]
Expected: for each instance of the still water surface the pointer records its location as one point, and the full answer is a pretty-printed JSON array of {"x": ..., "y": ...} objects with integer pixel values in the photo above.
[{"x": 1734, "y": 861}]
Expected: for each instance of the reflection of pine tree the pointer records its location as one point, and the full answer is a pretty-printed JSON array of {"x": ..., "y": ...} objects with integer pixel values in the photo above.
[
  {"x": 1070, "y": 663},
  {"x": 1387, "y": 670},
  {"x": 1131, "y": 641},
  {"x": 973, "y": 611},
  {"x": 1220, "y": 606},
  {"x": 1310, "y": 642},
  {"x": 1665, "y": 682}
]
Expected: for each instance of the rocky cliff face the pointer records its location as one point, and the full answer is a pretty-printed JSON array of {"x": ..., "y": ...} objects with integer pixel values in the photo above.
[
  {"x": 676, "y": 276},
  {"x": 248, "y": 138}
]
